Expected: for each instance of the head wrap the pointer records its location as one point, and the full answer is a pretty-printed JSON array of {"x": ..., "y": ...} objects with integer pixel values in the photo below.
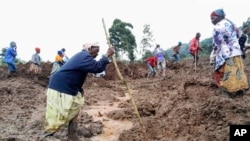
[
  {"x": 218, "y": 12},
  {"x": 60, "y": 52},
  {"x": 13, "y": 44},
  {"x": 87, "y": 46},
  {"x": 179, "y": 43},
  {"x": 37, "y": 49}
]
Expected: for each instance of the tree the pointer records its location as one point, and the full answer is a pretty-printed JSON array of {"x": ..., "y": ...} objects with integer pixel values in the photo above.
[
  {"x": 122, "y": 39},
  {"x": 147, "y": 53},
  {"x": 2, "y": 54},
  {"x": 207, "y": 46},
  {"x": 184, "y": 51},
  {"x": 147, "y": 39}
]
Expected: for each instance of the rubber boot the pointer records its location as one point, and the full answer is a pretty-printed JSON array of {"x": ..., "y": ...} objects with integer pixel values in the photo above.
[
  {"x": 164, "y": 73},
  {"x": 149, "y": 73},
  {"x": 8, "y": 74},
  {"x": 154, "y": 73},
  {"x": 72, "y": 131}
]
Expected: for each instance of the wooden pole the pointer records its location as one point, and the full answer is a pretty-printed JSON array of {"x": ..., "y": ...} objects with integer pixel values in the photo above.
[
  {"x": 195, "y": 61},
  {"x": 126, "y": 83}
]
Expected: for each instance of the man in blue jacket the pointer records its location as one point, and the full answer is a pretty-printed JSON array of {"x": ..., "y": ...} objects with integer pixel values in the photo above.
[
  {"x": 10, "y": 57},
  {"x": 65, "y": 93}
]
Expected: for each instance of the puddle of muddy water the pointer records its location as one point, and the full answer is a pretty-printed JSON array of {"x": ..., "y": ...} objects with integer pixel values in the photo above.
[{"x": 112, "y": 128}]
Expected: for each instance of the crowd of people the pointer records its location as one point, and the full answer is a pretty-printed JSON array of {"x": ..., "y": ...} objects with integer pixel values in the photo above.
[
  {"x": 35, "y": 62},
  {"x": 65, "y": 93},
  {"x": 228, "y": 52}
]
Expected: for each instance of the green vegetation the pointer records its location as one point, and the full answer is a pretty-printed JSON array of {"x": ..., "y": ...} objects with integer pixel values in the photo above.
[
  {"x": 122, "y": 38},
  {"x": 146, "y": 42},
  {"x": 2, "y": 54}
]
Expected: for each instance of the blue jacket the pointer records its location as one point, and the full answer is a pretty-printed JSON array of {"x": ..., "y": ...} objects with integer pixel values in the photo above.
[
  {"x": 10, "y": 55},
  {"x": 71, "y": 76}
]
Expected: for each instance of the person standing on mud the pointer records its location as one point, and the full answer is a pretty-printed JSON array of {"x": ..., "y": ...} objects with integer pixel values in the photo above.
[
  {"x": 10, "y": 57},
  {"x": 65, "y": 92},
  {"x": 243, "y": 40},
  {"x": 161, "y": 60},
  {"x": 175, "y": 52},
  {"x": 194, "y": 47},
  {"x": 151, "y": 63},
  {"x": 58, "y": 62},
  {"x": 229, "y": 71},
  {"x": 65, "y": 57},
  {"x": 35, "y": 65}
]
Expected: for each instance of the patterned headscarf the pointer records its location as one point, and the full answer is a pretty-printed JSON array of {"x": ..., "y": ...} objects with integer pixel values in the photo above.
[
  {"x": 218, "y": 12},
  {"x": 87, "y": 46}
]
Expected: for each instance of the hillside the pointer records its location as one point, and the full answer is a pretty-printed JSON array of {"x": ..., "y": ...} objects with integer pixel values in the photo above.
[{"x": 184, "y": 106}]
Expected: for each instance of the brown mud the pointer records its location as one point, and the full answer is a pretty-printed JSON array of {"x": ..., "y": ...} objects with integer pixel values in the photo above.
[{"x": 183, "y": 106}]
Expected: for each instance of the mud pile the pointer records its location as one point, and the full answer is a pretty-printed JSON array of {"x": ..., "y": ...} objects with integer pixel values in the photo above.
[{"x": 183, "y": 106}]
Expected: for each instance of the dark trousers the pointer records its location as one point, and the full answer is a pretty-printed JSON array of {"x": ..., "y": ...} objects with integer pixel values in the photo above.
[{"x": 195, "y": 57}]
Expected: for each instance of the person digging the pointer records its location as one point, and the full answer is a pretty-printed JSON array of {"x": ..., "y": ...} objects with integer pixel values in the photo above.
[{"x": 65, "y": 94}]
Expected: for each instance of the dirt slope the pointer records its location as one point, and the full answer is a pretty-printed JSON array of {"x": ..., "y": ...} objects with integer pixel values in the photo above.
[{"x": 184, "y": 106}]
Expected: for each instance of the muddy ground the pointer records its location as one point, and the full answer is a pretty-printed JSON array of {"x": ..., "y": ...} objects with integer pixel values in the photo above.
[{"x": 184, "y": 106}]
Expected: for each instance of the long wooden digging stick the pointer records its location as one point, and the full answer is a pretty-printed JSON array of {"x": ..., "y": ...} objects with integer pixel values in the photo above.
[
  {"x": 126, "y": 83},
  {"x": 195, "y": 61}
]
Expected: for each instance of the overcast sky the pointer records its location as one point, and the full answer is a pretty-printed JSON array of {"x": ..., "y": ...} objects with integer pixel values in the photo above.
[{"x": 54, "y": 24}]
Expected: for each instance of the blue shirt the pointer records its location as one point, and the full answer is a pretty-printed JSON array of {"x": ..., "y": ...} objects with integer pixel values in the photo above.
[
  {"x": 71, "y": 76},
  {"x": 10, "y": 55},
  {"x": 159, "y": 53}
]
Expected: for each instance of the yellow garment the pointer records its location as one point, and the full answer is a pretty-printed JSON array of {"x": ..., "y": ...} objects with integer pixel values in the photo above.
[
  {"x": 234, "y": 78},
  {"x": 60, "y": 109},
  {"x": 58, "y": 58}
]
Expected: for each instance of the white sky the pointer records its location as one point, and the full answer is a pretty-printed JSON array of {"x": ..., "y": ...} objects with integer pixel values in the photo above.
[{"x": 53, "y": 24}]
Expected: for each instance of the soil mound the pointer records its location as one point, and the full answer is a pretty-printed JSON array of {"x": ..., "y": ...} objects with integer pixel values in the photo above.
[{"x": 183, "y": 106}]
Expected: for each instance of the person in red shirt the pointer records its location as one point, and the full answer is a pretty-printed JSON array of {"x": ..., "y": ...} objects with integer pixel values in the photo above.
[
  {"x": 194, "y": 47},
  {"x": 151, "y": 63}
]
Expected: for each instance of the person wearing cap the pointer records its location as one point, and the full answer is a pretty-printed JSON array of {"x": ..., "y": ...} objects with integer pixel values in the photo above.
[
  {"x": 10, "y": 57},
  {"x": 194, "y": 48},
  {"x": 65, "y": 94},
  {"x": 175, "y": 52},
  {"x": 229, "y": 72},
  {"x": 35, "y": 65},
  {"x": 161, "y": 60},
  {"x": 58, "y": 62}
]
